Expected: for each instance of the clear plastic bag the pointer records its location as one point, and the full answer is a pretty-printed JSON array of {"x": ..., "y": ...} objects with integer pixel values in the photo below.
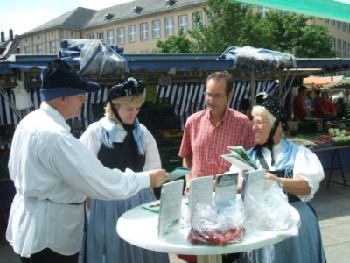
[
  {"x": 218, "y": 224},
  {"x": 272, "y": 212}
]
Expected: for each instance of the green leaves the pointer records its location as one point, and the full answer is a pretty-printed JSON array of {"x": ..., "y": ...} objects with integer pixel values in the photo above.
[{"x": 233, "y": 24}]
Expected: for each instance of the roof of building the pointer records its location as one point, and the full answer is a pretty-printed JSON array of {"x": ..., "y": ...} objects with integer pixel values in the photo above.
[
  {"x": 75, "y": 19},
  {"x": 81, "y": 17},
  {"x": 137, "y": 8}
]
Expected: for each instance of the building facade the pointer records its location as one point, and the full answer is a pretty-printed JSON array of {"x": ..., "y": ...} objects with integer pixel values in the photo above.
[
  {"x": 340, "y": 31},
  {"x": 138, "y": 25},
  {"x": 135, "y": 26}
]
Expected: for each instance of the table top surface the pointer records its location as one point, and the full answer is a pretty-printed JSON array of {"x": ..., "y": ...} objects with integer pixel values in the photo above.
[{"x": 138, "y": 226}]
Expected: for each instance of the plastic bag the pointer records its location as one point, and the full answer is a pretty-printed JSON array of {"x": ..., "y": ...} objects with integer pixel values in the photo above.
[
  {"x": 96, "y": 58},
  {"x": 218, "y": 224},
  {"x": 272, "y": 212}
]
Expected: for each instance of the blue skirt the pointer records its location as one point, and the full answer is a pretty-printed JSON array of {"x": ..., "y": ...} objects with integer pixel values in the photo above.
[
  {"x": 104, "y": 244},
  {"x": 306, "y": 247}
]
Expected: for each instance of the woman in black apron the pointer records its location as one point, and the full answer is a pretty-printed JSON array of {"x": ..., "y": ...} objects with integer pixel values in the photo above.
[{"x": 120, "y": 141}]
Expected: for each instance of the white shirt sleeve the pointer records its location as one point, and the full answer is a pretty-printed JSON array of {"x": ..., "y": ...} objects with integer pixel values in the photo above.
[
  {"x": 90, "y": 176},
  {"x": 308, "y": 166},
  {"x": 91, "y": 138}
]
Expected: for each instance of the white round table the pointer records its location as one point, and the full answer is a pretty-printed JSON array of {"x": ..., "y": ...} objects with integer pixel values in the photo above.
[{"x": 138, "y": 226}]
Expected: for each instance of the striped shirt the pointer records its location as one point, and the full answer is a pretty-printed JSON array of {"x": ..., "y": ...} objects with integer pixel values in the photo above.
[{"x": 204, "y": 142}]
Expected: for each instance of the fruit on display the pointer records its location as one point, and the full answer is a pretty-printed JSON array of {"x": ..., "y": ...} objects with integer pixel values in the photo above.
[{"x": 339, "y": 136}]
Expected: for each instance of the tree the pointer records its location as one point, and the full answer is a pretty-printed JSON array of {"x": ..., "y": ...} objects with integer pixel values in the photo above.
[
  {"x": 175, "y": 44},
  {"x": 290, "y": 32},
  {"x": 228, "y": 24},
  {"x": 233, "y": 24}
]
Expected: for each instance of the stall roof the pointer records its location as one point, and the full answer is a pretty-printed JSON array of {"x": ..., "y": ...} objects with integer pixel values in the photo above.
[
  {"x": 321, "y": 81},
  {"x": 180, "y": 64}
]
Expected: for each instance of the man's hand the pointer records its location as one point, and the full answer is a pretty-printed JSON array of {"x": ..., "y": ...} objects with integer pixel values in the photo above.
[{"x": 158, "y": 177}]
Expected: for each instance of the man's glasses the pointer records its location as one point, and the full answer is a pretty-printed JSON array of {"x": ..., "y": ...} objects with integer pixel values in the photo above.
[{"x": 214, "y": 96}]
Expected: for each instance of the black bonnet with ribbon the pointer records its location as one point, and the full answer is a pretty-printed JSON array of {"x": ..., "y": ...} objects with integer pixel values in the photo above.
[
  {"x": 130, "y": 87},
  {"x": 270, "y": 104}
]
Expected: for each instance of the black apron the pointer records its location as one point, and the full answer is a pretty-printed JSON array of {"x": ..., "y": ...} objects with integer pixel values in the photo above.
[{"x": 122, "y": 155}]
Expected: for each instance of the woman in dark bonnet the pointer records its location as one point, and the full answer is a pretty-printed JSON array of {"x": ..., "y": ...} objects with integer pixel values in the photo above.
[{"x": 298, "y": 172}]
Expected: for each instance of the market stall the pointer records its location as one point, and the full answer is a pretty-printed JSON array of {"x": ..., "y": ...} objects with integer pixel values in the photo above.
[{"x": 175, "y": 82}]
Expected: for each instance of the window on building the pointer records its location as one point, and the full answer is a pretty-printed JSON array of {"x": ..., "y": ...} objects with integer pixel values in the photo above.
[
  {"x": 144, "y": 31},
  {"x": 343, "y": 26},
  {"x": 183, "y": 24},
  {"x": 90, "y": 36},
  {"x": 27, "y": 50},
  {"x": 132, "y": 33},
  {"x": 121, "y": 35},
  {"x": 156, "y": 29},
  {"x": 263, "y": 10},
  {"x": 169, "y": 26},
  {"x": 53, "y": 47},
  {"x": 40, "y": 49},
  {"x": 100, "y": 35},
  {"x": 110, "y": 37},
  {"x": 197, "y": 19},
  {"x": 338, "y": 24},
  {"x": 339, "y": 48},
  {"x": 348, "y": 27},
  {"x": 344, "y": 49},
  {"x": 333, "y": 22},
  {"x": 348, "y": 50},
  {"x": 327, "y": 20}
]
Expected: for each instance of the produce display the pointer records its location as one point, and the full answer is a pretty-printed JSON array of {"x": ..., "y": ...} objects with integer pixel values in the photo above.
[{"x": 339, "y": 136}]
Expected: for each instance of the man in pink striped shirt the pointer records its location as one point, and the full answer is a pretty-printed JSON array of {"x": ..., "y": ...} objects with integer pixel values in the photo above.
[{"x": 208, "y": 132}]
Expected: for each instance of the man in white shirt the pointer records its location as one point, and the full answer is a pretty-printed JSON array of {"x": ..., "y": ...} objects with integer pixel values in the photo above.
[{"x": 53, "y": 172}]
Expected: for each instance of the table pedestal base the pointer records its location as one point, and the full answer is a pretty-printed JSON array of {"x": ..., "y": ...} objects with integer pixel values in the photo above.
[{"x": 209, "y": 259}]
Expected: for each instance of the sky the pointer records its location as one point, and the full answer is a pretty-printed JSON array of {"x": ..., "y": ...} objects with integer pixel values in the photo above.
[{"x": 24, "y": 15}]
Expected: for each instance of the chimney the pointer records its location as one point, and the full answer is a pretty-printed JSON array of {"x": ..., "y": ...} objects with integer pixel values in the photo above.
[
  {"x": 11, "y": 34},
  {"x": 2, "y": 37}
]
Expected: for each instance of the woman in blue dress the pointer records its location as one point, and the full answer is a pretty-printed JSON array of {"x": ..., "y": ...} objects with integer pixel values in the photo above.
[
  {"x": 120, "y": 141},
  {"x": 298, "y": 172}
]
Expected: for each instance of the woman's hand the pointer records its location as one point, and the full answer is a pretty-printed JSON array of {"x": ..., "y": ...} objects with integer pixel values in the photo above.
[{"x": 272, "y": 177}]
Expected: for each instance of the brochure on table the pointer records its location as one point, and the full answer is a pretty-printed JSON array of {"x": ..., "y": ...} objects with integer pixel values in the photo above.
[
  {"x": 253, "y": 185},
  {"x": 170, "y": 207},
  {"x": 201, "y": 191},
  {"x": 226, "y": 187}
]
